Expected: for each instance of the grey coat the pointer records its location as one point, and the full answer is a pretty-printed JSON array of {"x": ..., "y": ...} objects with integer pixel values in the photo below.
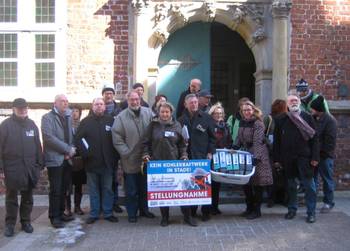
[
  {"x": 54, "y": 143},
  {"x": 20, "y": 153},
  {"x": 127, "y": 132}
]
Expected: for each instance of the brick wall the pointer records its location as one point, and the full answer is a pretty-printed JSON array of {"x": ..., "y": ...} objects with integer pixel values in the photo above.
[
  {"x": 320, "y": 53},
  {"x": 97, "y": 45}
]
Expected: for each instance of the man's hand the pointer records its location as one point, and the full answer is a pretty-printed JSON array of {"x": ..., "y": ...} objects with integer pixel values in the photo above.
[
  {"x": 314, "y": 163},
  {"x": 72, "y": 152},
  {"x": 146, "y": 158},
  {"x": 209, "y": 156}
]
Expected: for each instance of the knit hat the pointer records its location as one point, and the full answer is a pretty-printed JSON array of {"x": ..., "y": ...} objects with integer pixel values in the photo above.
[
  {"x": 108, "y": 87},
  {"x": 19, "y": 103},
  {"x": 302, "y": 85},
  {"x": 318, "y": 104},
  {"x": 137, "y": 85}
]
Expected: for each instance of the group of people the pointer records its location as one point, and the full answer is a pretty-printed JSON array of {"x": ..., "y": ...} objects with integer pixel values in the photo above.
[{"x": 297, "y": 138}]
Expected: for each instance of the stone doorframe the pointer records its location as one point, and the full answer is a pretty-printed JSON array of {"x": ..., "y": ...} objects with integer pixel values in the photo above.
[{"x": 263, "y": 24}]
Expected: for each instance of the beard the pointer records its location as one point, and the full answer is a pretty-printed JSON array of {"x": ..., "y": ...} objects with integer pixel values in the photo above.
[
  {"x": 294, "y": 108},
  {"x": 134, "y": 108}
]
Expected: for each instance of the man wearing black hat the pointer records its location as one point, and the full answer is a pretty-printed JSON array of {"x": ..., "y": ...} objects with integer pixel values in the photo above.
[
  {"x": 140, "y": 90},
  {"x": 307, "y": 95},
  {"x": 204, "y": 97},
  {"x": 21, "y": 160},
  {"x": 326, "y": 127}
]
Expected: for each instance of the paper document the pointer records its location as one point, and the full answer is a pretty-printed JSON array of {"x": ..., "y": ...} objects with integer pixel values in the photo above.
[{"x": 85, "y": 143}]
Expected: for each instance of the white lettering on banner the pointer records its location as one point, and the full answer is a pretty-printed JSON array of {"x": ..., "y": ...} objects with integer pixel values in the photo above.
[{"x": 178, "y": 195}]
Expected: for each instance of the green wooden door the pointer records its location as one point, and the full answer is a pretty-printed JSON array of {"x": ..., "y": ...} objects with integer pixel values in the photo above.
[{"x": 185, "y": 56}]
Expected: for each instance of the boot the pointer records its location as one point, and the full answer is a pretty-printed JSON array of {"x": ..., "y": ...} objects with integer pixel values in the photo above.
[
  {"x": 77, "y": 202},
  {"x": 248, "y": 210},
  {"x": 256, "y": 213}
]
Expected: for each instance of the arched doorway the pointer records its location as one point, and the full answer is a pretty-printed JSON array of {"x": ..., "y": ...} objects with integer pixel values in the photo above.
[{"x": 213, "y": 53}]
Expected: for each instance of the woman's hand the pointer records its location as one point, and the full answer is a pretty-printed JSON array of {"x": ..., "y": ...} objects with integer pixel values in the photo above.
[{"x": 146, "y": 158}]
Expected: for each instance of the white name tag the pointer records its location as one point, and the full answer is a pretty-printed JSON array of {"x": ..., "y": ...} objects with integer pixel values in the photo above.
[
  {"x": 30, "y": 133},
  {"x": 108, "y": 128},
  {"x": 169, "y": 134}
]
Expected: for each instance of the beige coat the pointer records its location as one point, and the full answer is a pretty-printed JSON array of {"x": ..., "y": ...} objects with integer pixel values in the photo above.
[{"x": 127, "y": 133}]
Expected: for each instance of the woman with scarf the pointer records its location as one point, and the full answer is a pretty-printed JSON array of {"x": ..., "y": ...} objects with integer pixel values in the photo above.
[
  {"x": 223, "y": 140},
  {"x": 251, "y": 138},
  {"x": 164, "y": 141}
]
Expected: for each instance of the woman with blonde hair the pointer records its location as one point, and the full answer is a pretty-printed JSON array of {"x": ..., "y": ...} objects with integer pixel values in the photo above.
[
  {"x": 251, "y": 138},
  {"x": 222, "y": 140}
]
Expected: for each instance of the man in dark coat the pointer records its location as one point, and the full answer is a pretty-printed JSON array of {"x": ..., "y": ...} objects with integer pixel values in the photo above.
[
  {"x": 194, "y": 87},
  {"x": 112, "y": 109},
  {"x": 326, "y": 126},
  {"x": 56, "y": 128},
  {"x": 296, "y": 149},
  {"x": 94, "y": 142},
  {"x": 201, "y": 139},
  {"x": 21, "y": 160}
]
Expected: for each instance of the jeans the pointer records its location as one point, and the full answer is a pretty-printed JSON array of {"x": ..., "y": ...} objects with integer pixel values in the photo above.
[
  {"x": 59, "y": 183},
  {"x": 100, "y": 185},
  {"x": 326, "y": 169},
  {"x": 309, "y": 186},
  {"x": 136, "y": 193},
  {"x": 25, "y": 208}
]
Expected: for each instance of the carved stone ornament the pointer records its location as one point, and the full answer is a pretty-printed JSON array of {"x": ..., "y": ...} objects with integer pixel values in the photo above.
[
  {"x": 139, "y": 4},
  {"x": 209, "y": 9},
  {"x": 281, "y": 8},
  {"x": 161, "y": 36},
  {"x": 237, "y": 13},
  {"x": 177, "y": 11},
  {"x": 253, "y": 11},
  {"x": 259, "y": 34},
  {"x": 161, "y": 12}
]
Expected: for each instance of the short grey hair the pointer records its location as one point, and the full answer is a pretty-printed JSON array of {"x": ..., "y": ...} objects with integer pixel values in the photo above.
[{"x": 191, "y": 95}]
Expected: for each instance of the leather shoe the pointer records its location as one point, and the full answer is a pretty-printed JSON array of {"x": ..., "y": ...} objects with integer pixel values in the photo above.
[
  {"x": 215, "y": 211},
  {"x": 117, "y": 209},
  {"x": 310, "y": 219},
  {"x": 132, "y": 219},
  {"x": 90, "y": 220},
  {"x": 253, "y": 215},
  {"x": 28, "y": 228},
  {"x": 57, "y": 223},
  {"x": 164, "y": 222},
  {"x": 112, "y": 219},
  {"x": 67, "y": 218},
  {"x": 9, "y": 230},
  {"x": 205, "y": 217},
  {"x": 78, "y": 211},
  {"x": 191, "y": 221},
  {"x": 147, "y": 214},
  {"x": 290, "y": 215}
]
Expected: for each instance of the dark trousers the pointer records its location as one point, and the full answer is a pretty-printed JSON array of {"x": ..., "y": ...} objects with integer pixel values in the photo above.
[
  {"x": 25, "y": 208},
  {"x": 253, "y": 197},
  {"x": 60, "y": 181},
  {"x": 186, "y": 211},
  {"x": 205, "y": 209},
  {"x": 136, "y": 193},
  {"x": 78, "y": 195}
]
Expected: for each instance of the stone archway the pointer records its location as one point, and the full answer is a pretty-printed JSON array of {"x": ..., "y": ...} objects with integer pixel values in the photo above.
[{"x": 155, "y": 21}]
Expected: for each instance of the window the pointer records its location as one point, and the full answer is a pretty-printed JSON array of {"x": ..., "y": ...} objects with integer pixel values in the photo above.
[{"x": 31, "y": 63}]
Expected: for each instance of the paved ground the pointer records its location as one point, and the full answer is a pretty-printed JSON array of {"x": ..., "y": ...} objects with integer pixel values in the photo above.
[{"x": 225, "y": 232}]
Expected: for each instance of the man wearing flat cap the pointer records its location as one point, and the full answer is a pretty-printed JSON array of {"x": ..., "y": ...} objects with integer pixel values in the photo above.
[
  {"x": 326, "y": 127},
  {"x": 21, "y": 160},
  {"x": 307, "y": 95},
  {"x": 204, "y": 97}
]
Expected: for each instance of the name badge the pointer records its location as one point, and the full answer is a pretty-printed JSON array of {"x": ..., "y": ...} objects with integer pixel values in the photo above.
[
  {"x": 200, "y": 128},
  {"x": 108, "y": 128},
  {"x": 169, "y": 134},
  {"x": 30, "y": 133}
]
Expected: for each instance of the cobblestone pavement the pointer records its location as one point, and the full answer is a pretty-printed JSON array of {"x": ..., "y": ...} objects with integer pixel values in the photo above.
[{"x": 225, "y": 232}]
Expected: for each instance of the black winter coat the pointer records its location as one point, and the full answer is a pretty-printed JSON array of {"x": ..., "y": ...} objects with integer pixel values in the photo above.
[
  {"x": 20, "y": 153},
  {"x": 181, "y": 103},
  {"x": 290, "y": 145},
  {"x": 164, "y": 141},
  {"x": 201, "y": 131},
  {"x": 96, "y": 130},
  {"x": 327, "y": 130}
]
